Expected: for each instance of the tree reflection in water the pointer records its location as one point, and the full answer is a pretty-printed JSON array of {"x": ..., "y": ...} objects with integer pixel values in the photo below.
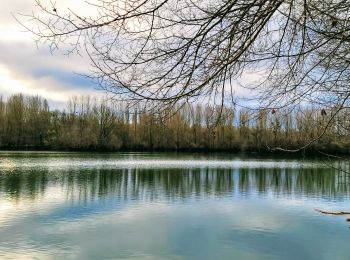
[{"x": 173, "y": 184}]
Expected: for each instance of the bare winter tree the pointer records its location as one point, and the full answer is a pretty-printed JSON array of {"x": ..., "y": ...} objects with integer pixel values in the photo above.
[{"x": 173, "y": 51}]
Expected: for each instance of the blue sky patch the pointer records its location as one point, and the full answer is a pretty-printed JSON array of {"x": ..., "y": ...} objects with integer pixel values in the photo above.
[{"x": 68, "y": 77}]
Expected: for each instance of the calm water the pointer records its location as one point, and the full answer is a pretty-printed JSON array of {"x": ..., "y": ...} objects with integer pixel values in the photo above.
[{"x": 167, "y": 206}]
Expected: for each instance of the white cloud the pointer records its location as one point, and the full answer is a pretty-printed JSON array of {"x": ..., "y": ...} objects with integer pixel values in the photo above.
[
  {"x": 20, "y": 58},
  {"x": 12, "y": 82}
]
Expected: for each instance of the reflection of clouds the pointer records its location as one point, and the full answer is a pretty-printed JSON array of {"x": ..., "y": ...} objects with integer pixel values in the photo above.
[
  {"x": 259, "y": 216},
  {"x": 12, "y": 210},
  {"x": 137, "y": 228},
  {"x": 5, "y": 206},
  {"x": 162, "y": 225},
  {"x": 242, "y": 215},
  {"x": 59, "y": 204},
  {"x": 25, "y": 252},
  {"x": 161, "y": 221},
  {"x": 7, "y": 164},
  {"x": 127, "y": 215}
]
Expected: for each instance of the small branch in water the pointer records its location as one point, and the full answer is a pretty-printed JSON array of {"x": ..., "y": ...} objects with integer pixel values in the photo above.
[{"x": 334, "y": 212}]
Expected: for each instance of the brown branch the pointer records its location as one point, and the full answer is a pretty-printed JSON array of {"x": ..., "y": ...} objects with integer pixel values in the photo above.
[{"x": 333, "y": 212}]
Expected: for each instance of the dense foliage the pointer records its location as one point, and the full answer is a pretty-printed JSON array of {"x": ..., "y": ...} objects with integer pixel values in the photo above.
[{"x": 91, "y": 124}]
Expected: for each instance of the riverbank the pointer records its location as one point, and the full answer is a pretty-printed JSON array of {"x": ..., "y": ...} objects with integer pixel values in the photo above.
[{"x": 306, "y": 153}]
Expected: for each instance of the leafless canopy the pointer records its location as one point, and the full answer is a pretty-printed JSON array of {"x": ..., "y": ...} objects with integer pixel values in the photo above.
[{"x": 172, "y": 50}]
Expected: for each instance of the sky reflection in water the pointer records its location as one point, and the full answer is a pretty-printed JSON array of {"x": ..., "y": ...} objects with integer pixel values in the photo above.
[{"x": 143, "y": 206}]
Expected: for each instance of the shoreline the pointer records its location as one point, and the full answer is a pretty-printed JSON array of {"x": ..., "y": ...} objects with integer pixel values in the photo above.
[{"x": 307, "y": 154}]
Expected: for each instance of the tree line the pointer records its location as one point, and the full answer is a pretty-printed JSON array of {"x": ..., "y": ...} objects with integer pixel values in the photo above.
[{"x": 27, "y": 122}]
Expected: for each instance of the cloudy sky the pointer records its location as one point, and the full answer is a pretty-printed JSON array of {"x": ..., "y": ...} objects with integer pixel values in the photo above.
[{"x": 33, "y": 70}]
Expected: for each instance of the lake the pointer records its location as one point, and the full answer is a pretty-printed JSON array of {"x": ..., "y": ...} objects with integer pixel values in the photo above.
[{"x": 170, "y": 206}]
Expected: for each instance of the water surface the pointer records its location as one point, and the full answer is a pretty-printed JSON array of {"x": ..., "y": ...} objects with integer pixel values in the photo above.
[{"x": 168, "y": 206}]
